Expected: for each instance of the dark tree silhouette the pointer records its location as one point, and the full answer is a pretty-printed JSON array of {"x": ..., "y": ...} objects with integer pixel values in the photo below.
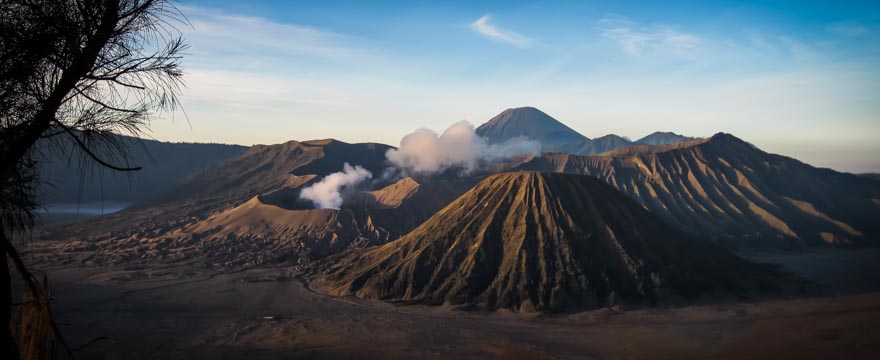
[{"x": 81, "y": 69}]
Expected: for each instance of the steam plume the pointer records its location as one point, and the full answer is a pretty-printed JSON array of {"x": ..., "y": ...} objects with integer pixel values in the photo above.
[
  {"x": 326, "y": 194},
  {"x": 425, "y": 152}
]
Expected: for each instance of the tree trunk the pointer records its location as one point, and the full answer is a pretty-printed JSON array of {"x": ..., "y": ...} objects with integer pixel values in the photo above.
[{"x": 10, "y": 348}]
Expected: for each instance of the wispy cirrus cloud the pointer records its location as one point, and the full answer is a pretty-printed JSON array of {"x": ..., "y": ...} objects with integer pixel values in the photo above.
[
  {"x": 267, "y": 72},
  {"x": 264, "y": 79},
  {"x": 483, "y": 27},
  {"x": 220, "y": 39},
  {"x": 635, "y": 37},
  {"x": 846, "y": 29}
]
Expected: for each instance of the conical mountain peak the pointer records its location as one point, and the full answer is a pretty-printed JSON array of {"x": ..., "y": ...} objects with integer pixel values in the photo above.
[
  {"x": 543, "y": 241},
  {"x": 531, "y": 123}
]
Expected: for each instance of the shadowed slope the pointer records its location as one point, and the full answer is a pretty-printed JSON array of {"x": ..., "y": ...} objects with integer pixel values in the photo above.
[
  {"x": 542, "y": 241},
  {"x": 729, "y": 191}
]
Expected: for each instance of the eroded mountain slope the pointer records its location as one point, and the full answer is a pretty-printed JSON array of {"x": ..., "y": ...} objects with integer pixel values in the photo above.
[
  {"x": 247, "y": 211},
  {"x": 729, "y": 191},
  {"x": 544, "y": 241}
]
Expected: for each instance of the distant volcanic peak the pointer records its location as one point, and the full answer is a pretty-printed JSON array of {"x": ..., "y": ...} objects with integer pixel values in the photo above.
[
  {"x": 665, "y": 133},
  {"x": 721, "y": 141},
  {"x": 663, "y": 138},
  {"x": 724, "y": 143},
  {"x": 529, "y": 122},
  {"x": 541, "y": 241},
  {"x": 612, "y": 136},
  {"x": 533, "y": 115},
  {"x": 636, "y": 149},
  {"x": 597, "y": 146},
  {"x": 527, "y": 111}
]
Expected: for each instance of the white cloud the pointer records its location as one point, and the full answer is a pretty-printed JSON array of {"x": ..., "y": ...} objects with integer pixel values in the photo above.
[
  {"x": 493, "y": 32},
  {"x": 425, "y": 152},
  {"x": 327, "y": 193},
  {"x": 635, "y": 37},
  {"x": 798, "y": 50},
  {"x": 252, "y": 90},
  {"x": 254, "y": 80},
  {"x": 846, "y": 29},
  {"x": 221, "y": 40},
  {"x": 276, "y": 77}
]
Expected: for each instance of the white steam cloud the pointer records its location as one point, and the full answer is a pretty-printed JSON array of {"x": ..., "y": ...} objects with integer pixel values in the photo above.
[
  {"x": 326, "y": 194},
  {"x": 425, "y": 152}
]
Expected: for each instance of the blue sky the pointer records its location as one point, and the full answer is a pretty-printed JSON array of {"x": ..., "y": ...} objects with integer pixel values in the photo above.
[{"x": 796, "y": 78}]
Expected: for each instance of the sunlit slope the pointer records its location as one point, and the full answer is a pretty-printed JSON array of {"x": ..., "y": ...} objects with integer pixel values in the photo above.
[
  {"x": 247, "y": 211},
  {"x": 727, "y": 190},
  {"x": 544, "y": 241}
]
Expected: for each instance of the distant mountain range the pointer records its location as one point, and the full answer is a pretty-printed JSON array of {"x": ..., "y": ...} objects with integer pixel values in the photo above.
[
  {"x": 662, "y": 138},
  {"x": 596, "y": 146},
  {"x": 164, "y": 166},
  {"x": 542, "y": 241},
  {"x": 555, "y": 136},
  {"x": 245, "y": 210}
]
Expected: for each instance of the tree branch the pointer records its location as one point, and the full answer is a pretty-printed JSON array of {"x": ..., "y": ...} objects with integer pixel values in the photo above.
[
  {"x": 89, "y": 152},
  {"x": 78, "y": 91}
]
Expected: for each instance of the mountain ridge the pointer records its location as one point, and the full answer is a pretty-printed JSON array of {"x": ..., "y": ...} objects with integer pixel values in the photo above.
[
  {"x": 727, "y": 190},
  {"x": 251, "y": 203},
  {"x": 543, "y": 241},
  {"x": 164, "y": 166},
  {"x": 555, "y": 136}
]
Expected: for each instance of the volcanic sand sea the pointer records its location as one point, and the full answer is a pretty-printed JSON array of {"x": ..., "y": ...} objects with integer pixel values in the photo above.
[{"x": 187, "y": 312}]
